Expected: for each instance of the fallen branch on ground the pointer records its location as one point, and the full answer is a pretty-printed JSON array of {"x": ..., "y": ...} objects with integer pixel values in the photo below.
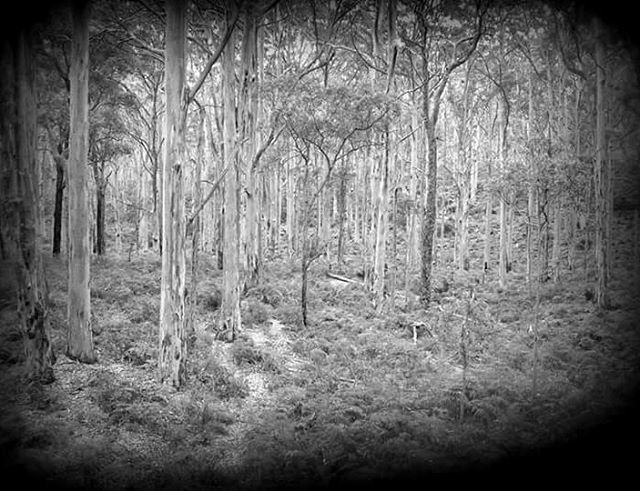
[{"x": 343, "y": 278}]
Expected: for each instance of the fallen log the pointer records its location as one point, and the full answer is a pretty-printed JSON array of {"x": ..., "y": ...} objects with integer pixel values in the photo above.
[{"x": 342, "y": 278}]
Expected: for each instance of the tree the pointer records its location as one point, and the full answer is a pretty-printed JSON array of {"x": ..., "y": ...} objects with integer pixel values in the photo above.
[
  {"x": 54, "y": 88},
  {"x": 601, "y": 176},
  {"x": 172, "y": 349},
  {"x": 327, "y": 125},
  {"x": 18, "y": 143},
  {"x": 230, "y": 320},
  {"x": 79, "y": 342},
  {"x": 439, "y": 67}
]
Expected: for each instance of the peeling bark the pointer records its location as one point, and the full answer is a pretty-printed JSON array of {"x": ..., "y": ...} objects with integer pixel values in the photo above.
[{"x": 80, "y": 341}]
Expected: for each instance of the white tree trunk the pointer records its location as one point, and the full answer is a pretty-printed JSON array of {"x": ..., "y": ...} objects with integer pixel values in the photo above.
[
  {"x": 79, "y": 341},
  {"x": 230, "y": 320},
  {"x": 173, "y": 350}
]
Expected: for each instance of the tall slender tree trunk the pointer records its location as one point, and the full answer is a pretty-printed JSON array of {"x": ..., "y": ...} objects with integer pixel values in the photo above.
[
  {"x": 381, "y": 228},
  {"x": 158, "y": 202},
  {"x": 230, "y": 320},
  {"x": 557, "y": 239},
  {"x": 543, "y": 228},
  {"x": 530, "y": 188},
  {"x": 32, "y": 295},
  {"x": 429, "y": 208},
  {"x": 196, "y": 229},
  {"x": 486, "y": 262},
  {"x": 602, "y": 208},
  {"x": 291, "y": 221},
  {"x": 57, "y": 206},
  {"x": 275, "y": 227},
  {"x": 143, "y": 231},
  {"x": 342, "y": 214},
  {"x": 117, "y": 198},
  {"x": 101, "y": 187},
  {"x": 79, "y": 341},
  {"x": 417, "y": 156},
  {"x": 502, "y": 217},
  {"x": 172, "y": 353},
  {"x": 247, "y": 141}
]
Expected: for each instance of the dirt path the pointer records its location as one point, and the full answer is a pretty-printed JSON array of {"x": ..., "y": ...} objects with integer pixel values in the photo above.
[{"x": 271, "y": 339}]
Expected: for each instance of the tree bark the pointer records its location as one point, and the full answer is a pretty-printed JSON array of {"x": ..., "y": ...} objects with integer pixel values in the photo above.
[
  {"x": 196, "y": 229},
  {"x": 557, "y": 239},
  {"x": 32, "y": 295},
  {"x": 172, "y": 351},
  {"x": 79, "y": 341},
  {"x": 101, "y": 187},
  {"x": 230, "y": 320},
  {"x": 117, "y": 198},
  {"x": 57, "y": 207},
  {"x": 429, "y": 208},
  {"x": 502, "y": 151},
  {"x": 381, "y": 228},
  {"x": 290, "y": 205},
  {"x": 247, "y": 142},
  {"x": 530, "y": 188},
  {"x": 487, "y": 235},
  {"x": 602, "y": 208},
  {"x": 342, "y": 214}
]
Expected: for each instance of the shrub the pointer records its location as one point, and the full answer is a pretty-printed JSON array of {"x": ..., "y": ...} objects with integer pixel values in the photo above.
[
  {"x": 145, "y": 309},
  {"x": 254, "y": 313},
  {"x": 224, "y": 383},
  {"x": 245, "y": 352},
  {"x": 291, "y": 315},
  {"x": 267, "y": 295},
  {"x": 210, "y": 300}
]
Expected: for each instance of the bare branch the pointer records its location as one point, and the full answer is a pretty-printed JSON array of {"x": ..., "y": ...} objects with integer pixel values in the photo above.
[
  {"x": 214, "y": 57},
  {"x": 208, "y": 197}
]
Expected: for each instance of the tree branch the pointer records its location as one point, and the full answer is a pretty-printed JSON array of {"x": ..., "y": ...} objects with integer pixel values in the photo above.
[
  {"x": 214, "y": 58},
  {"x": 208, "y": 197}
]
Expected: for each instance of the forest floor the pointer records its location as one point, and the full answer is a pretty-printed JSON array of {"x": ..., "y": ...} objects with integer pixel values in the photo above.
[{"x": 353, "y": 398}]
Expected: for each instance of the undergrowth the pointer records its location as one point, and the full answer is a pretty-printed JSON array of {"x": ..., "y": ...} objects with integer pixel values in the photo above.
[{"x": 353, "y": 396}]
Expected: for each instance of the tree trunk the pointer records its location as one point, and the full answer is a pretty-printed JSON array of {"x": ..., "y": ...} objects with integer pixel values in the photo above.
[
  {"x": 79, "y": 342},
  {"x": 101, "y": 186},
  {"x": 381, "y": 228},
  {"x": 429, "y": 209},
  {"x": 557, "y": 240},
  {"x": 143, "y": 230},
  {"x": 172, "y": 353},
  {"x": 275, "y": 226},
  {"x": 247, "y": 141},
  {"x": 290, "y": 206},
  {"x": 158, "y": 203},
  {"x": 230, "y": 321},
  {"x": 32, "y": 296},
  {"x": 305, "y": 260},
  {"x": 196, "y": 227},
  {"x": 502, "y": 151},
  {"x": 116, "y": 198},
  {"x": 602, "y": 217},
  {"x": 342, "y": 214},
  {"x": 571, "y": 237},
  {"x": 57, "y": 207},
  {"x": 530, "y": 187},
  {"x": 543, "y": 229}
]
